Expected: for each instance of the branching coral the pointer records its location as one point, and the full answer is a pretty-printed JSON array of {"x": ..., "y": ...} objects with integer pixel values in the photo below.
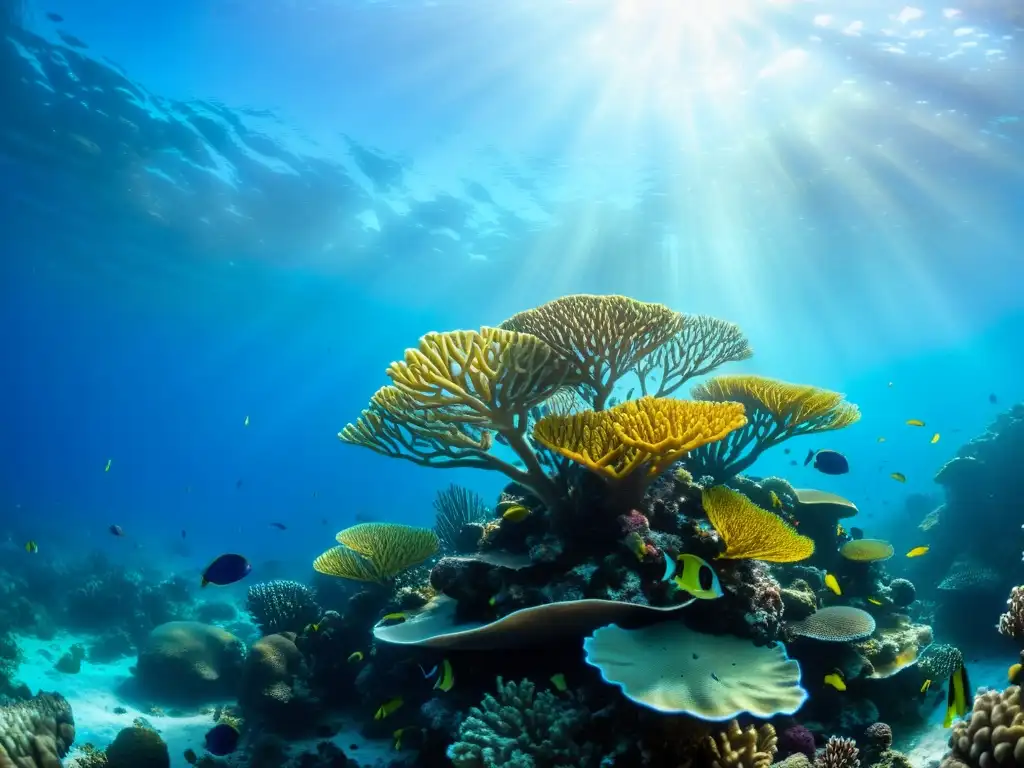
[
  {"x": 776, "y": 411},
  {"x": 454, "y": 391},
  {"x": 377, "y": 552},
  {"x": 702, "y": 345},
  {"x": 737, "y": 747},
  {"x": 1011, "y": 623},
  {"x": 282, "y": 606},
  {"x": 521, "y": 728},
  {"x": 838, "y": 753},
  {"x": 36, "y": 733},
  {"x": 632, "y": 443},
  {"x": 456, "y": 507},
  {"x": 751, "y": 532},
  {"x": 605, "y": 337}
]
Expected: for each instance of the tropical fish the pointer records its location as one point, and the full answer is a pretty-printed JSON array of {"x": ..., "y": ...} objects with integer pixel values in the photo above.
[
  {"x": 427, "y": 675},
  {"x": 635, "y": 542},
  {"x": 388, "y": 707},
  {"x": 355, "y": 656},
  {"x": 696, "y": 577},
  {"x": 776, "y": 501},
  {"x": 918, "y": 551},
  {"x": 279, "y": 526},
  {"x": 445, "y": 680},
  {"x": 116, "y": 530},
  {"x": 925, "y": 686},
  {"x": 558, "y": 680},
  {"x": 226, "y": 569},
  {"x": 397, "y": 618},
  {"x": 31, "y": 547},
  {"x": 836, "y": 679},
  {"x": 875, "y": 601},
  {"x": 915, "y": 423},
  {"x": 935, "y": 438},
  {"x": 397, "y": 735},
  {"x": 840, "y": 531},
  {"x": 881, "y": 439},
  {"x": 109, "y": 462},
  {"x": 833, "y": 583},
  {"x": 856, "y": 534},
  {"x": 246, "y": 422},
  {"x": 828, "y": 462},
  {"x": 222, "y": 739},
  {"x": 516, "y": 513},
  {"x": 313, "y": 627},
  {"x": 899, "y": 477},
  {"x": 960, "y": 696},
  {"x": 1014, "y": 673}
]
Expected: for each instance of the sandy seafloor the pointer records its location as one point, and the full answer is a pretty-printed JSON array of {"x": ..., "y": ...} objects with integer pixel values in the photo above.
[{"x": 93, "y": 695}]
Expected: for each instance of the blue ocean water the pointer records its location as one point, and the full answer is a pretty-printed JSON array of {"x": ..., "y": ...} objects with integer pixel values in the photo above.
[{"x": 222, "y": 221}]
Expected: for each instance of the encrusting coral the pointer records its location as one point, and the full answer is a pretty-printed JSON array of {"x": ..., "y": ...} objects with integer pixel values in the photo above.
[
  {"x": 36, "y": 733},
  {"x": 1011, "y": 623},
  {"x": 776, "y": 411},
  {"x": 377, "y": 552},
  {"x": 750, "y": 532},
  {"x": 737, "y": 747},
  {"x": 993, "y": 734},
  {"x": 519, "y": 728}
]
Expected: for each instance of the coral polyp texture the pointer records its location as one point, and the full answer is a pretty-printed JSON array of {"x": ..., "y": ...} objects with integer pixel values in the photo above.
[
  {"x": 737, "y": 747},
  {"x": 377, "y": 552},
  {"x": 36, "y": 733},
  {"x": 992, "y": 735},
  {"x": 750, "y": 532},
  {"x": 282, "y": 606},
  {"x": 1011, "y": 623}
]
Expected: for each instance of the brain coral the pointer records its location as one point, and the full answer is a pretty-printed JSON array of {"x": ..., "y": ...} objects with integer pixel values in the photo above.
[
  {"x": 36, "y": 733},
  {"x": 993, "y": 735},
  {"x": 186, "y": 660},
  {"x": 273, "y": 683},
  {"x": 835, "y": 624},
  {"x": 135, "y": 747}
]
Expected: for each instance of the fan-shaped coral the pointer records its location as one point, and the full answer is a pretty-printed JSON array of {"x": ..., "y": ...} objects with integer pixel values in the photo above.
[
  {"x": 377, "y": 552},
  {"x": 455, "y": 508},
  {"x": 605, "y": 337},
  {"x": 671, "y": 668},
  {"x": 636, "y": 441},
  {"x": 453, "y": 392},
  {"x": 835, "y": 624},
  {"x": 866, "y": 550},
  {"x": 750, "y": 532},
  {"x": 776, "y": 411},
  {"x": 737, "y": 747}
]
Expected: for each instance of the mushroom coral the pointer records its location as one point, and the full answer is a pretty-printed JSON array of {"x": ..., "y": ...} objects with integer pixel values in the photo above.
[{"x": 776, "y": 411}]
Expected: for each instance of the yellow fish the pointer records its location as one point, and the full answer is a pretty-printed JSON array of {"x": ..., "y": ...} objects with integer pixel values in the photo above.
[
  {"x": 875, "y": 601},
  {"x": 398, "y": 618},
  {"x": 840, "y": 531},
  {"x": 696, "y": 577},
  {"x": 516, "y": 513},
  {"x": 935, "y": 438},
  {"x": 925, "y": 686},
  {"x": 31, "y": 547},
  {"x": 776, "y": 501},
  {"x": 635, "y": 542},
  {"x": 356, "y": 656},
  {"x": 388, "y": 707},
  {"x": 835, "y": 679},
  {"x": 246, "y": 422},
  {"x": 446, "y": 680},
  {"x": 832, "y": 583},
  {"x": 558, "y": 680},
  {"x": 881, "y": 439},
  {"x": 1014, "y": 674},
  {"x": 915, "y": 423},
  {"x": 493, "y": 601},
  {"x": 399, "y": 733},
  {"x": 314, "y": 627},
  {"x": 918, "y": 551},
  {"x": 109, "y": 462},
  {"x": 899, "y": 477},
  {"x": 960, "y": 697}
]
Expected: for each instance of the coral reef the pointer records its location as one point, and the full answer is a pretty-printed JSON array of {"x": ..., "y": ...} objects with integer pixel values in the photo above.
[
  {"x": 186, "y": 660},
  {"x": 838, "y": 753},
  {"x": 36, "y": 733},
  {"x": 273, "y": 690},
  {"x": 282, "y": 606},
  {"x": 137, "y": 746},
  {"x": 737, "y": 747},
  {"x": 1011, "y": 623},
  {"x": 992, "y": 735},
  {"x": 520, "y": 727}
]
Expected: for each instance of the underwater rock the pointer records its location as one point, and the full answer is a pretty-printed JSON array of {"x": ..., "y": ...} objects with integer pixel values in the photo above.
[
  {"x": 135, "y": 746},
  {"x": 71, "y": 662},
  {"x": 274, "y": 690},
  {"x": 185, "y": 661},
  {"x": 36, "y": 733},
  {"x": 466, "y": 580}
]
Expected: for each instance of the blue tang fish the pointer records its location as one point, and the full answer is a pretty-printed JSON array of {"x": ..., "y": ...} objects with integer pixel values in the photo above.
[
  {"x": 828, "y": 462},
  {"x": 222, "y": 739},
  {"x": 226, "y": 569}
]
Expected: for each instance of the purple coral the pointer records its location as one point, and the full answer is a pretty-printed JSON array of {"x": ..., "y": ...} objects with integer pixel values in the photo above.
[
  {"x": 796, "y": 739},
  {"x": 838, "y": 753},
  {"x": 1011, "y": 623}
]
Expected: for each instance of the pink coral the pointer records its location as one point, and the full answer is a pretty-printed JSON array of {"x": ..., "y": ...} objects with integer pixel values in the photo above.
[
  {"x": 635, "y": 522},
  {"x": 1011, "y": 623}
]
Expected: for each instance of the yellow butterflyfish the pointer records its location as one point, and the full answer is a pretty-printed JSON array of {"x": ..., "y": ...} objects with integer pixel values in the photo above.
[
  {"x": 918, "y": 551},
  {"x": 833, "y": 583},
  {"x": 836, "y": 680},
  {"x": 960, "y": 696},
  {"x": 445, "y": 680},
  {"x": 516, "y": 513},
  {"x": 696, "y": 577}
]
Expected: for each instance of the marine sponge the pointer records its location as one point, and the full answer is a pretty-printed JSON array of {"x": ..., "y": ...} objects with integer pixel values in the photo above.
[
  {"x": 835, "y": 624},
  {"x": 36, "y": 733},
  {"x": 604, "y": 337},
  {"x": 993, "y": 735},
  {"x": 521, "y": 728},
  {"x": 1011, "y": 623},
  {"x": 135, "y": 746},
  {"x": 377, "y": 552},
  {"x": 838, "y": 753},
  {"x": 717, "y": 677},
  {"x": 750, "y": 532},
  {"x": 776, "y": 411},
  {"x": 282, "y": 606},
  {"x": 737, "y": 747}
]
